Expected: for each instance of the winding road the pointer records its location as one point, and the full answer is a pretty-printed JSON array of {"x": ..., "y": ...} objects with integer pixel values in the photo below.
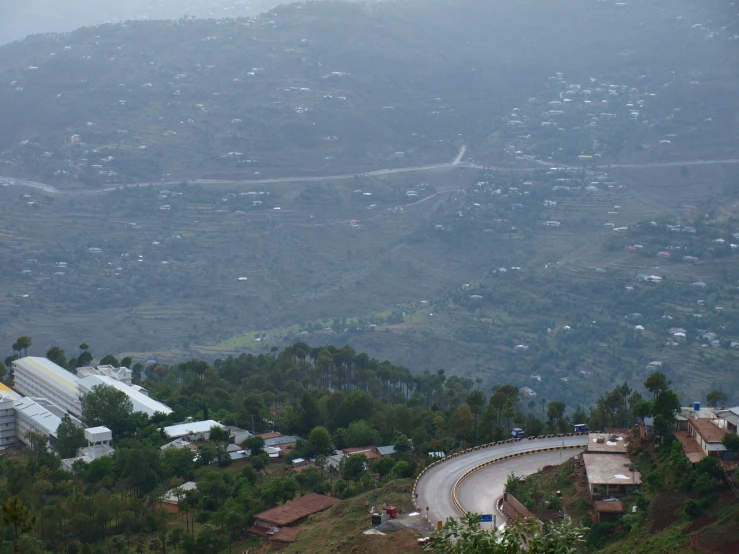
[
  {"x": 479, "y": 492},
  {"x": 457, "y": 163}
]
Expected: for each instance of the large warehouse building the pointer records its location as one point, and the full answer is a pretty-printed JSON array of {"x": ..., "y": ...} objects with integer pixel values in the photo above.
[
  {"x": 42, "y": 378},
  {"x": 141, "y": 402}
]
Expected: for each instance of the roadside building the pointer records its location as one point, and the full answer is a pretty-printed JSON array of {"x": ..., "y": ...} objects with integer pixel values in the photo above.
[
  {"x": 708, "y": 435},
  {"x": 608, "y": 443},
  {"x": 610, "y": 475},
  {"x": 688, "y": 413}
]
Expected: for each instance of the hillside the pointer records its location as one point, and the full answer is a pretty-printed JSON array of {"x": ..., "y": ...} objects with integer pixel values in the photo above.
[
  {"x": 231, "y": 251},
  {"x": 331, "y": 87}
]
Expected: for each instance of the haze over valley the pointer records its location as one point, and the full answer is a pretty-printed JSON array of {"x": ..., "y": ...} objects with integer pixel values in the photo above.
[{"x": 484, "y": 187}]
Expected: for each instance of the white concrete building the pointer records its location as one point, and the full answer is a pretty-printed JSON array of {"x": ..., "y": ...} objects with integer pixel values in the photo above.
[
  {"x": 195, "y": 429},
  {"x": 141, "y": 402},
  {"x": 122, "y": 374},
  {"x": 98, "y": 446},
  {"x": 7, "y": 421},
  {"x": 43, "y": 378}
]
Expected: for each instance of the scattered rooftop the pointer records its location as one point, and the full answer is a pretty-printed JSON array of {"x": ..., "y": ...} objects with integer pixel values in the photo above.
[
  {"x": 295, "y": 510},
  {"x": 141, "y": 402},
  {"x": 190, "y": 428},
  {"x": 708, "y": 430}
]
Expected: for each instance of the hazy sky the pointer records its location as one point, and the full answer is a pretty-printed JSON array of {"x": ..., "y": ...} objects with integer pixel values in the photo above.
[{"x": 19, "y": 18}]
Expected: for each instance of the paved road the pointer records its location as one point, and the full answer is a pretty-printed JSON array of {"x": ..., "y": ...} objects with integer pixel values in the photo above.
[
  {"x": 13, "y": 182},
  {"x": 435, "y": 487},
  {"x": 456, "y": 164},
  {"x": 481, "y": 490}
]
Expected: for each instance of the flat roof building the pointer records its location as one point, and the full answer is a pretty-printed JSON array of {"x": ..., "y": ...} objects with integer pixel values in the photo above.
[
  {"x": 98, "y": 446},
  {"x": 610, "y": 475},
  {"x": 708, "y": 435},
  {"x": 141, "y": 402},
  {"x": 39, "y": 377}
]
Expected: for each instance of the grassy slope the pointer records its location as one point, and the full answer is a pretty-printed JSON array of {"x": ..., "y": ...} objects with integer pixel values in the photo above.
[{"x": 340, "y": 528}]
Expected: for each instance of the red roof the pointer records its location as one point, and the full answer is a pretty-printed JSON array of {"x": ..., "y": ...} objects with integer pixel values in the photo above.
[
  {"x": 369, "y": 451},
  {"x": 271, "y": 435},
  {"x": 707, "y": 429},
  {"x": 295, "y": 510}
]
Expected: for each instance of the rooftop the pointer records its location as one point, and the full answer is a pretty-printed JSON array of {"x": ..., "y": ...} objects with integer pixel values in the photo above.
[
  {"x": 48, "y": 371},
  {"x": 170, "y": 497},
  {"x": 295, "y": 510},
  {"x": 369, "y": 451},
  {"x": 608, "y": 442},
  {"x": 270, "y": 435},
  {"x": 54, "y": 409},
  {"x": 7, "y": 391},
  {"x": 141, "y": 402},
  {"x": 708, "y": 430},
  {"x": 280, "y": 441},
  {"x": 731, "y": 415},
  {"x": 386, "y": 450},
  {"x": 610, "y": 469},
  {"x": 692, "y": 449},
  {"x": 190, "y": 427},
  {"x": 38, "y": 415},
  {"x": 688, "y": 412}
]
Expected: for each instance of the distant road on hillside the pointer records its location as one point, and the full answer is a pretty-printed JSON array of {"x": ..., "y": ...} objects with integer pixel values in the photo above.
[{"x": 457, "y": 163}]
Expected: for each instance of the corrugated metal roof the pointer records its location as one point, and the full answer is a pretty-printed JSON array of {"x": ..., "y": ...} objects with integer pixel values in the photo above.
[
  {"x": 276, "y": 441},
  {"x": 38, "y": 415},
  {"x": 48, "y": 371},
  {"x": 141, "y": 402}
]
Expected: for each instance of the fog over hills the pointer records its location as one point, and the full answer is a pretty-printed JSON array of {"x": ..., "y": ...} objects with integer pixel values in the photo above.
[
  {"x": 529, "y": 191},
  {"x": 26, "y": 17}
]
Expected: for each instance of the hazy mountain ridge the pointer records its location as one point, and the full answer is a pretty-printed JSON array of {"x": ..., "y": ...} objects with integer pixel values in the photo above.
[
  {"x": 328, "y": 89},
  {"x": 337, "y": 88}
]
